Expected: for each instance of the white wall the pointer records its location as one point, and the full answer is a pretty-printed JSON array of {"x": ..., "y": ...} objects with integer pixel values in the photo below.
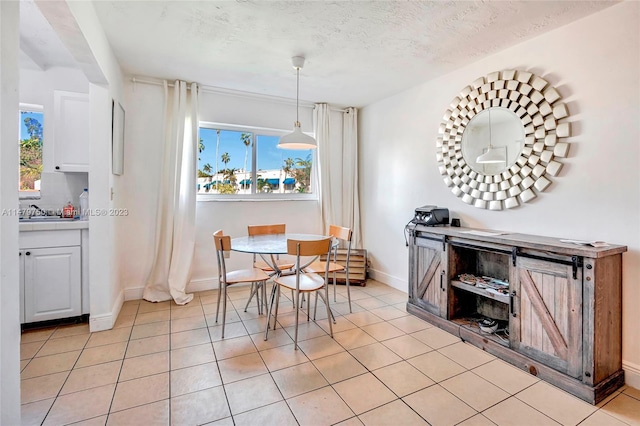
[
  {"x": 594, "y": 64},
  {"x": 139, "y": 184},
  {"x": 106, "y": 293},
  {"x": 9, "y": 289}
]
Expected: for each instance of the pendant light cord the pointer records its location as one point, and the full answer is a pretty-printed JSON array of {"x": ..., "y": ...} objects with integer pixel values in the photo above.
[
  {"x": 490, "y": 145},
  {"x": 297, "y": 94}
]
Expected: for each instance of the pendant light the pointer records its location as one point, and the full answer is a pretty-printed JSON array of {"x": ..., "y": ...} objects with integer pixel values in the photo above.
[
  {"x": 297, "y": 139},
  {"x": 493, "y": 155}
]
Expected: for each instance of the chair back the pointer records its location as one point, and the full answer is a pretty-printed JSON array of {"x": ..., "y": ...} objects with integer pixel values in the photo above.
[
  {"x": 301, "y": 248},
  {"x": 340, "y": 232},
  {"x": 345, "y": 235},
  {"x": 279, "y": 228},
  {"x": 223, "y": 247}
]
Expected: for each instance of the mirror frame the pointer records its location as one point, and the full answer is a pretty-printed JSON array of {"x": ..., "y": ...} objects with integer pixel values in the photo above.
[{"x": 546, "y": 125}]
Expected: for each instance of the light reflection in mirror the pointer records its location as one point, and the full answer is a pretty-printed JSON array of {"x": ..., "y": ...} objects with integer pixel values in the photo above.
[{"x": 500, "y": 128}]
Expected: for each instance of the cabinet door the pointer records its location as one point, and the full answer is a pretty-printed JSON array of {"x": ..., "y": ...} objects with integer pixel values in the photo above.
[
  {"x": 71, "y": 131},
  {"x": 21, "y": 275},
  {"x": 546, "y": 321},
  {"x": 52, "y": 283},
  {"x": 427, "y": 273}
]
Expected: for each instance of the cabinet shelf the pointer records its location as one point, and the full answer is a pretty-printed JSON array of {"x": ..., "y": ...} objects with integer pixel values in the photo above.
[
  {"x": 498, "y": 337},
  {"x": 502, "y": 298}
]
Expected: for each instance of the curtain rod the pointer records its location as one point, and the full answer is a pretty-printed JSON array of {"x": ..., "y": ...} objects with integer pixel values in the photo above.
[{"x": 238, "y": 93}]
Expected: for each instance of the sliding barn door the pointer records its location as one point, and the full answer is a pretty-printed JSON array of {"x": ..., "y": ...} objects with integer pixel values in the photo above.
[
  {"x": 427, "y": 273},
  {"x": 546, "y": 322}
]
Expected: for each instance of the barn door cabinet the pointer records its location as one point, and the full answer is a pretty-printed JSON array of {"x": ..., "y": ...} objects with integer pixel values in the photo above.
[{"x": 559, "y": 316}]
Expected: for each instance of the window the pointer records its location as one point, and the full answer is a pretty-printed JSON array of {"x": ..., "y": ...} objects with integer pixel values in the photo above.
[
  {"x": 31, "y": 126},
  {"x": 247, "y": 162}
]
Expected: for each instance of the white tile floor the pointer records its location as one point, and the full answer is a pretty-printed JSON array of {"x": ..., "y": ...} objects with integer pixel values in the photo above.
[{"x": 166, "y": 364}]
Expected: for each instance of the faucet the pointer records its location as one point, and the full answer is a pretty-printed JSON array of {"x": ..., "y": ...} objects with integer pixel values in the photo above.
[{"x": 37, "y": 211}]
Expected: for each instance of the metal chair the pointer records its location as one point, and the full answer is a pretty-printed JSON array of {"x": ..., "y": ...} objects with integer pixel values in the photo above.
[
  {"x": 225, "y": 279},
  {"x": 252, "y": 230},
  {"x": 279, "y": 228},
  {"x": 302, "y": 283},
  {"x": 344, "y": 235}
]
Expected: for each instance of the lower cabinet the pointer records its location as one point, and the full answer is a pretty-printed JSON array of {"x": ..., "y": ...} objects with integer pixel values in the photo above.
[
  {"x": 546, "y": 323},
  {"x": 50, "y": 275},
  {"x": 555, "y": 307},
  {"x": 427, "y": 275}
]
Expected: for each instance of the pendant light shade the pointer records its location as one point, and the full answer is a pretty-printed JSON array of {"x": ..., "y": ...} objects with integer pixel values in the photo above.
[
  {"x": 297, "y": 139},
  {"x": 493, "y": 155}
]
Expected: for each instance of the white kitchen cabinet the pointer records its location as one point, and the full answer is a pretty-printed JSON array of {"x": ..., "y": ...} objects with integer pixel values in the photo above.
[
  {"x": 50, "y": 275},
  {"x": 71, "y": 131},
  {"x": 52, "y": 283}
]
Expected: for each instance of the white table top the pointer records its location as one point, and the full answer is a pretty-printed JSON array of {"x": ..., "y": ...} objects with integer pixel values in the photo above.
[{"x": 269, "y": 244}]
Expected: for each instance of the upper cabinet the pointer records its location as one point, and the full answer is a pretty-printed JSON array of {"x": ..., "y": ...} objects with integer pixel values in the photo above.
[{"x": 71, "y": 131}]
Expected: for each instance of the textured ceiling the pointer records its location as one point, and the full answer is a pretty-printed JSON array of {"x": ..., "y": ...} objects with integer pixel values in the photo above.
[{"x": 357, "y": 51}]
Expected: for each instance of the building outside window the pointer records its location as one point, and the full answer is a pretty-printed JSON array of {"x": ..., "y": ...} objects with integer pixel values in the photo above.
[
  {"x": 246, "y": 162},
  {"x": 31, "y": 122}
]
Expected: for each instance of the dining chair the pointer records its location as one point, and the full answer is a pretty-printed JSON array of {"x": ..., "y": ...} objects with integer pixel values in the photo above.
[
  {"x": 254, "y": 276},
  {"x": 344, "y": 235},
  {"x": 252, "y": 230},
  {"x": 302, "y": 283}
]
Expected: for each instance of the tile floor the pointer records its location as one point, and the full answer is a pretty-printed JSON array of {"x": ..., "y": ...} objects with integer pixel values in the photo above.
[{"x": 166, "y": 364}]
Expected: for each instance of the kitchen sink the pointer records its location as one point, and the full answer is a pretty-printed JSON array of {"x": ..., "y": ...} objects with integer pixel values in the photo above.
[{"x": 46, "y": 219}]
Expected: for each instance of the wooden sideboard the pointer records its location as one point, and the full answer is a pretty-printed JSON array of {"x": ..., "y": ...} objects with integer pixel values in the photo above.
[{"x": 559, "y": 316}]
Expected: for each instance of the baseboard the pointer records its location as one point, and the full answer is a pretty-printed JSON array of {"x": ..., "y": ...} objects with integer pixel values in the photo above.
[
  {"x": 201, "y": 284},
  {"x": 133, "y": 293},
  {"x": 390, "y": 280},
  {"x": 106, "y": 321},
  {"x": 631, "y": 374}
]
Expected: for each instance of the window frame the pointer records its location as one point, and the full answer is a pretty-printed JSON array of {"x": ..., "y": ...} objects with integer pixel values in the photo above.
[
  {"x": 258, "y": 196},
  {"x": 23, "y": 106}
]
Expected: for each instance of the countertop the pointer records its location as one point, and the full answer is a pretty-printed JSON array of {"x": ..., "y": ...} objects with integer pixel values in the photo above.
[{"x": 54, "y": 225}]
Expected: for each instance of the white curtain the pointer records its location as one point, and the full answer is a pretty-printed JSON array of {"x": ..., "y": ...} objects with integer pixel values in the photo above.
[
  {"x": 322, "y": 127},
  {"x": 350, "y": 193},
  {"x": 175, "y": 227}
]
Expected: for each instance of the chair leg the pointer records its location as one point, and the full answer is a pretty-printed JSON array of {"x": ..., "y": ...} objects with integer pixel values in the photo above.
[
  {"x": 346, "y": 278},
  {"x": 273, "y": 296},
  {"x": 295, "y": 340},
  {"x": 219, "y": 293},
  {"x": 329, "y": 313},
  {"x": 254, "y": 290},
  {"x": 333, "y": 317},
  {"x": 224, "y": 309},
  {"x": 264, "y": 295},
  {"x": 275, "y": 320},
  {"x": 315, "y": 306}
]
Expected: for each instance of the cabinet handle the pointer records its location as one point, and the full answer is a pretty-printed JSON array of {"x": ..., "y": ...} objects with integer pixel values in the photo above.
[
  {"x": 57, "y": 167},
  {"x": 512, "y": 296},
  {"x": 28, "y": 253},
  {"x": 441, "y": 280}
]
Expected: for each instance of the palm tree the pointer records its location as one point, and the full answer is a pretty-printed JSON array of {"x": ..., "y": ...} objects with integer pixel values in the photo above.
[
  {"x": 246, "y": 140},
  {"x": 225, "y": 158},
  {"x": 217, "y": 149},
  {"x": 300, "y": 170},
  {"x": 200, "y": 147}
]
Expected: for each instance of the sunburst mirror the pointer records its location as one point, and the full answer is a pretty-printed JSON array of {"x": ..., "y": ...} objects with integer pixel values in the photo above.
[{"x": 517, "y": 119}]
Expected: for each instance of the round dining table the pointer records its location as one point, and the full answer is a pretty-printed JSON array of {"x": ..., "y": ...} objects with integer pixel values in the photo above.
[{"x": 270, "y": 243}]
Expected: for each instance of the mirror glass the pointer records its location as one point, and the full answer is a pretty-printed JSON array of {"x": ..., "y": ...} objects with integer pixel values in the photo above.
[{"x": 498, "y": 127}]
